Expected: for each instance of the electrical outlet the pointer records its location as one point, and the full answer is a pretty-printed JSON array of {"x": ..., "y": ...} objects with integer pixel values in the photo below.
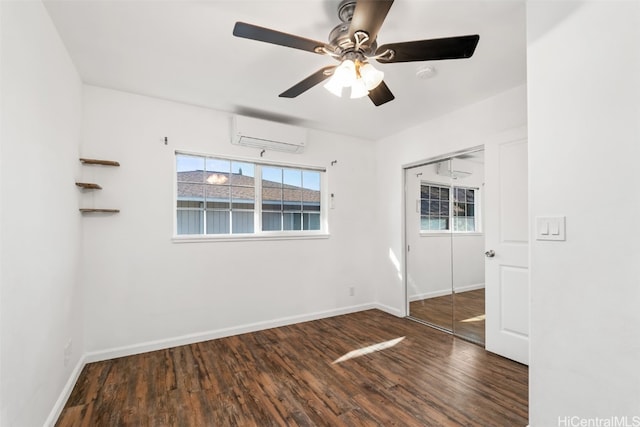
[
  {"x": 67, "y": 352},
  {"x": 352, "y": 291}
]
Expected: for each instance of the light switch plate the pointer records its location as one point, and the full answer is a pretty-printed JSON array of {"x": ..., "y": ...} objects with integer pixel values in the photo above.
[{"x": 551, "y": 228}]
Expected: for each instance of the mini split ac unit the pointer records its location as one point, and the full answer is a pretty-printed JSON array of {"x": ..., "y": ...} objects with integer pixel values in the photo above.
[
  {"x": 452, "y": 169},
  {"x": 267, "y": 135}
]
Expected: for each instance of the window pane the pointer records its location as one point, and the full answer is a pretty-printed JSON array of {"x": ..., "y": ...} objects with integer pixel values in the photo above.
[
  {"x": 217, "y": 171},
  {"x": 311, "y": 207},
  {"x": 218, "y": 222},
  {"x": 437, "y": 223},
  {"x": 311, "y": 221},
  {"x": 292, "y": 221},
  {"x": 470, "y": 196},
  {"x": 444, "y": 209},
  {"x": 424, "y": 207},
  {"x": 218, "y": 193},
  {"x": 189, "y": 168},
  {"x": 242, "y": 222},
  {"x": 470, "y": 209},
  {"x": 243, "y": 197},
  {"x": 187, "y": 191},
  {"x": 292, "y": 177},
  {"x": 189, "y": 222},
  {"x": 460, "y": 224},
  {"x": 271, "y": 177},
  {"x": 458, "y": 209},
  {"x": 471, "y": 224},
  {"x": 271, "y": 221},
  {"x": 218, "y": 165},
  {"x": 424, "y": 223},
  {"x": 444, "y": 193},
  {"x": 434, "y": 208},
  {"x": 434, "y": 193},
  {"x": 292, "y": 199},
  {"x": 311, "y": 180},
  {"x": 424, "y": 191},
  {"x": 242, "y": 174}
]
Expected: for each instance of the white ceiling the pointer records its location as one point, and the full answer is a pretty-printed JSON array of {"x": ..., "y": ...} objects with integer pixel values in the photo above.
[{"x": 185, "y": 51}]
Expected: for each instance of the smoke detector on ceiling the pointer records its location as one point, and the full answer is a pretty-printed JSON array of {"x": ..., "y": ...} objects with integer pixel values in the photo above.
[{"x": 426, "y": 72}]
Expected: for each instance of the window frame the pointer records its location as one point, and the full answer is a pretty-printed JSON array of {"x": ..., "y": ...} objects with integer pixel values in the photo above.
[
  {"x": 452, "y": 187},
  {"x": 258, "y": 233}
]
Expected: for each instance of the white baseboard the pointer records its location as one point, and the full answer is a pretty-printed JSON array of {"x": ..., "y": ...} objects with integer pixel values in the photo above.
[
  {"x": 65, "y": 393},
  {"x": 469, "y": 288},
  {"x": 390, "y": 310},
  {"x": 427, "y": 295},
  {"x": 97, "y": 356},
  {"x": 434, "y": 294}
]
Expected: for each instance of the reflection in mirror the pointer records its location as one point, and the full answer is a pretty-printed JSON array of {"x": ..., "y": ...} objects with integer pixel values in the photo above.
[
  {"x": 429, "y": 267},
  {"x": 445, "y": 244},
  {"x": 467, "y": 249}
]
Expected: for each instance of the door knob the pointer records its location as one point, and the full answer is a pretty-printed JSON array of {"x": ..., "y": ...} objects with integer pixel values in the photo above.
[{"x": 490, "y": 253}]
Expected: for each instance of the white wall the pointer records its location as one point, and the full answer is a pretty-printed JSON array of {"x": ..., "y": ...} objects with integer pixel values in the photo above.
[
  {"x": 438, "y": 261},
  {"x": 144, "y": 291},
  {"x": 462, "y": 129},
  {"x": 40, "y": 225},
  {"x": 584, "y": 145}
]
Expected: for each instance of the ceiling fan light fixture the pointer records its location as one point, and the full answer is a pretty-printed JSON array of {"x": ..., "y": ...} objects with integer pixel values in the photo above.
[
  {"x": 359, "y": 89},
  {"x": 345, "y": 74},
  {"x": 334, "y": 87},
  {"x": 372, "y": 77}
]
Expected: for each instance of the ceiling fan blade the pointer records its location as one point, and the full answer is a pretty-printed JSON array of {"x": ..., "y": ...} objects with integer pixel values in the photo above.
[
  {"x": 368, "y": 17},
  {"x": 430, "y": 50},
  {"x": 306, "y": 84},
  {"x": 381, "y": 95},
  {"x": 254, "y": 32}
]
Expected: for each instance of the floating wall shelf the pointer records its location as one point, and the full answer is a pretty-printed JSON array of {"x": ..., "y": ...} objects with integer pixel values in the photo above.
[
  {"x": 86, "y": 210},
  {"x": 93, "y": 186},
  {"x": 99, "y": 162},
  {"x": 88, "y": 185}
]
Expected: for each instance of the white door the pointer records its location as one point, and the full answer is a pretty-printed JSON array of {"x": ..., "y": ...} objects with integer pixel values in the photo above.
[{"x": 507, "y": 246}]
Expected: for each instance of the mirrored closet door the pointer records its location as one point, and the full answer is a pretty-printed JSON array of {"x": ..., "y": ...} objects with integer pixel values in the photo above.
[{"x": 445, "y": 244}]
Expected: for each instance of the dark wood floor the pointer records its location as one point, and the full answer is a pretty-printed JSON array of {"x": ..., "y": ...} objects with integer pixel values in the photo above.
[
  {"x": 464, "y": 315},
  {"x": 362, "y": 369}
]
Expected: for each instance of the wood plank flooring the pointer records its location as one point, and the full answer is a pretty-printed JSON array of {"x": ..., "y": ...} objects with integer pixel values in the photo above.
[{"x": 362, "y": 369}]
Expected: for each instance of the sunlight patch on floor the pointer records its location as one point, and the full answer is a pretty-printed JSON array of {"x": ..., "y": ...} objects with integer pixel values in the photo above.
[
  {"x": 474, "y": 319},
  {"x": 368, "y": 350}
]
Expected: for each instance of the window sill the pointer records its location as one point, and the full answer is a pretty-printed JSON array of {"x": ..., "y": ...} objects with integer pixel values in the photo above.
[{"x": 248, "y": 237}]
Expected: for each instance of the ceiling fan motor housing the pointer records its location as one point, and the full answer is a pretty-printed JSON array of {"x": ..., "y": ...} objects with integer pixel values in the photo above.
[
  {"x": 339, "y": 39},
  {"x": 346, "y": 9}
]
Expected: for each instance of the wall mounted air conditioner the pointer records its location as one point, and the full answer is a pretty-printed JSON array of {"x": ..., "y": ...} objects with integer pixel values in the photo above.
[
  {"x": 267, "y": 135},
  {"x": 453, "y": 168}
]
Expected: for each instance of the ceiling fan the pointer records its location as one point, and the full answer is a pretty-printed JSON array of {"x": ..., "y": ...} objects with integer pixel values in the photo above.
[{"x": 354, "y": 43}]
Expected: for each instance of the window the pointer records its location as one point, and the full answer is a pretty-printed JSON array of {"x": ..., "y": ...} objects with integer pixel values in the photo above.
[
  {"x": 437, "y": 208},
  {"x": 464, "y": 208},
  {"x": 217, "y": 196}
]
